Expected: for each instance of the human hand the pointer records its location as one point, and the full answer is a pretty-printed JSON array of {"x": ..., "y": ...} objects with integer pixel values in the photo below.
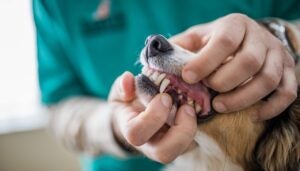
[
  {"x": 145, "y": 128},
  {"x": 243, "y": 61}
]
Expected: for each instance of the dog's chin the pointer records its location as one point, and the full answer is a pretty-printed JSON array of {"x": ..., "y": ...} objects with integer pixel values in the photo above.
[{"x": 152, "y": 82}]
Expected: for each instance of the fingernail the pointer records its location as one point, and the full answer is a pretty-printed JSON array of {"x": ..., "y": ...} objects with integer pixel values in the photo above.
[
  {"x": 190, "y": 76},
  {"x": 166, "y": 100},
  {"x": 189, "y": 110},
  {"x": 220, "y": 107}
]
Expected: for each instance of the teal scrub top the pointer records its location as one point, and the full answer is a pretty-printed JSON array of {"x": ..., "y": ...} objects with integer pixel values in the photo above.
[{"x": 81, "y": 54}]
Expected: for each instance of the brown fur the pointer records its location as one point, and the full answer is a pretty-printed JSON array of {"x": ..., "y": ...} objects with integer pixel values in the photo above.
[
  {"x": 273, "y": 145},
  {"x": 279, "y": 147},
  {"x": 236, "y": 134}
]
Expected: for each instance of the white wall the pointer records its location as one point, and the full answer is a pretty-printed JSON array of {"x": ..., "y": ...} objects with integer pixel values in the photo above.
[{"x": 19, "y": 98}]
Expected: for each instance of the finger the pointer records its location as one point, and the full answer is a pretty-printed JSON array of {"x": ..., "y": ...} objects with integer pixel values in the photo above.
[
  {"x": 222, "y": 43},
  {"x": 176, "y": 140},
  {"x": 281, "y": 99},
  {"x": 141, "y": 128},
  {"x": 247, "y": 62},
  {"x": 192, "y": 39},
  {"x": 260, "y": 86},
  {"x": 123, "y": 88}
]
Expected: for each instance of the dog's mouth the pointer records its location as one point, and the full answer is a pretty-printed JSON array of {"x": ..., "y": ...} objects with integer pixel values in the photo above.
[
  {"x": 161, "y": 73},
  {"x": 197, "y": 95}
]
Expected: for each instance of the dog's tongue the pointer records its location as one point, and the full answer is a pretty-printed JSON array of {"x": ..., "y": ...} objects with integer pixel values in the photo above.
[{"x": 198, "y": 92}]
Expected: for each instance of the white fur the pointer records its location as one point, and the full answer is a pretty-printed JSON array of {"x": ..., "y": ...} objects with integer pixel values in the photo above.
[{"x": 208, "y": 156}]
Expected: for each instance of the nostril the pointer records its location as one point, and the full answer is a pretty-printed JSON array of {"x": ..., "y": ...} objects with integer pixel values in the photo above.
[{"x": 157, "y": 44}]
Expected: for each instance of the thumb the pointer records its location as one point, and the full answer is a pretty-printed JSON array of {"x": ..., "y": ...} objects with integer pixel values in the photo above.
[{"x": 123, "y": 88}]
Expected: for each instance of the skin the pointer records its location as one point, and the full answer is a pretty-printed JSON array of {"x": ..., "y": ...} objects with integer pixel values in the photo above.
[
  {"x": 234, "y": 50},
  {"x": 145, "y": 128},
  {"x": 255, "y": 53}
]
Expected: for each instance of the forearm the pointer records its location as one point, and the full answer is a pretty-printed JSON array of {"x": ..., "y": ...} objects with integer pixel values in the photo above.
[{"x": 84, "y": 124}]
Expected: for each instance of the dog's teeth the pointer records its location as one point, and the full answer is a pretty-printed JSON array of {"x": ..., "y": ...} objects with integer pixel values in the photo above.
[
  {"x": 164, "y": 85},
  {"x": 179, "y": 91},
  {"x": 197, "y": 108},
  {"x": 154, "y": 76},
  {"x": 190, "y": 102},
  {"x": 159, "y": 79},
  {"x": 149, "y": 72}
]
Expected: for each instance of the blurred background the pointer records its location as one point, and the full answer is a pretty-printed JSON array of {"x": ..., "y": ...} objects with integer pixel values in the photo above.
[{"x": 25, "y": 143}]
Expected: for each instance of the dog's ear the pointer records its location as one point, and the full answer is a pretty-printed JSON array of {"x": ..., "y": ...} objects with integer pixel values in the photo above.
[{"x": 279, "y": 147}]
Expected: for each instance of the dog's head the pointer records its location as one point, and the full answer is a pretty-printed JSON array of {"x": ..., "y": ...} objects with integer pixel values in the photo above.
[{"x": 272, "y": 145}]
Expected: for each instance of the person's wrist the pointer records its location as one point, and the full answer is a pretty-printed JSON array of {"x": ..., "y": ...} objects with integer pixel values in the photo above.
[{"x": 120, "y": 140}]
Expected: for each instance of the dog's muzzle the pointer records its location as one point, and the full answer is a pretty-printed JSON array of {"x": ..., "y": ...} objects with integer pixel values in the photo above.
[{"x": 161, "y": 74}]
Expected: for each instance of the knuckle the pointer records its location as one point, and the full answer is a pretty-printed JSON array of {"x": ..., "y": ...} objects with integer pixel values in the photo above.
[
  {"x": 291, "y": 95},
  {"x": 191, "y": 30},
  {"x": 132, "y": 136},
  {"x": 188, "y": 131},
  {"x": 251, "y": 61},
  {"x": 217, "y": 85},
  {"x": 156, "y": 117},
  {"x": 163, "y": 156},
  {"x": 159, "y": 119},
  {"x": 270, "y": 81},
  {"x": 226, "y": 40},
  {"x": 220, "y": 84},
  {"x": 237, "y": 104}
]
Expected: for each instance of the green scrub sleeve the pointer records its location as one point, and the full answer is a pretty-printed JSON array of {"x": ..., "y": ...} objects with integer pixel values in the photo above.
[
  {"x": 57, "y": 78},
  {"x": 288, "y": 9}
]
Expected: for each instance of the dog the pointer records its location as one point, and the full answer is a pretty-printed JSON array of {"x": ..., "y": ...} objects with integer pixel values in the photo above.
[{"x": 227, "y": 142}]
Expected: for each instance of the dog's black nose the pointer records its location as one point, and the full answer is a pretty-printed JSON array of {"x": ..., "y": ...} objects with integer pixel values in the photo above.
[{"x": 157, "y": 45}]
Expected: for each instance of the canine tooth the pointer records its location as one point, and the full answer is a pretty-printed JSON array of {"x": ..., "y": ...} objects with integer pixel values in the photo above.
[
  {"x": 197, "y": 108},
  {"x": 154, "y": 76},
  {"x": 179, "y": 91},
  {"x": 164, "y": 85},
  {"x": 160, "y": 78}
]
